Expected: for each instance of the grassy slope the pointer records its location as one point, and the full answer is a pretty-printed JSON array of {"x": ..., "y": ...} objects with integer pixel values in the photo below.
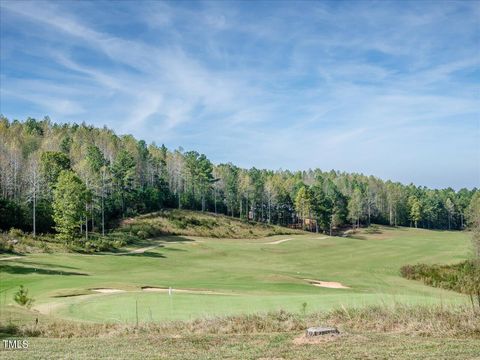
[
  {"x": 261, "y": 276},
  {"x": 194, "y": 223}
]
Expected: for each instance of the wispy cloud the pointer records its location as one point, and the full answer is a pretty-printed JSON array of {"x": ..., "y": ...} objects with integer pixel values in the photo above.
[{"x": 293, "y": 86}]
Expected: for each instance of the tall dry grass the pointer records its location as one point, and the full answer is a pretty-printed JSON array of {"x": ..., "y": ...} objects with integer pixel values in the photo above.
[{"x": 458, "y": 321}]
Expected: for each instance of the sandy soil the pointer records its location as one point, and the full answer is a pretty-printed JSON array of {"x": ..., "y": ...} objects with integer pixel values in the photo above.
[
  {"x": 11, "y": 258},
  {"x": 278, "y": 241},
  {"x": 142, "y": 250},
  {"x": 327, "y": 284},
  {"x": 108, "y": 291}
]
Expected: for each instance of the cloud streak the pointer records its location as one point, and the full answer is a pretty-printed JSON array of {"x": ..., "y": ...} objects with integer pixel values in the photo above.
[{"x": 313, "y": 85}]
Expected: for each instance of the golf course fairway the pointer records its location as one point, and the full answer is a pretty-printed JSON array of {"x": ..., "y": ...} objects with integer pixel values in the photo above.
[{"x": 213, "y": 277}]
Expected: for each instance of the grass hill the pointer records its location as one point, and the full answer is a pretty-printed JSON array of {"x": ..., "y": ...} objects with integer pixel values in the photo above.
[{"x": 194, "y": 223}]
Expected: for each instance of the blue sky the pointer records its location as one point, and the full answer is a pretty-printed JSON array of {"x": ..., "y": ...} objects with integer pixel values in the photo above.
[{"x": 383, "y": 88}]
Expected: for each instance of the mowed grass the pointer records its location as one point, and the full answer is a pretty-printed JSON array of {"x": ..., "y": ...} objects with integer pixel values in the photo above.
[
  {"x": 255, "y": 346},
  {"x": 244, "y": 275}
]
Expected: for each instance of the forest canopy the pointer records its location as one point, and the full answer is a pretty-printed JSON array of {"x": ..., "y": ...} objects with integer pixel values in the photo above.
[{"x": 62, "y": 177}]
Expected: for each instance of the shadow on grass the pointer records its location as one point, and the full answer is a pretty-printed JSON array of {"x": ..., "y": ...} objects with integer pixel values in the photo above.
[
  {"x": 145, "y": 254},
  {"x": 358, "y": 237},
  {"x": 173, "y": 249},
  {"x": 14, "y": 269},
  {"x": 34, "y": 263},
  {"x": 173, "y": 239},
  {"x": 158, "y": 242}
]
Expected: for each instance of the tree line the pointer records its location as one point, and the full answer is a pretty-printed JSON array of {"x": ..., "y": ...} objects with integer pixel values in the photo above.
[{"x": 74, "y": 179}]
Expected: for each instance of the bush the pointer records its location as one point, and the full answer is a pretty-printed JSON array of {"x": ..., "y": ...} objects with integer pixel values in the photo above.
[
  {"x": 5, "y": 245},
  {"x": 16, "y": 233},
  {"x": 463, "y": 277},
  {"x": 21, "y": 297},
  {"x": 373, "y": 229},
  {"x": 142, "y": 234}
]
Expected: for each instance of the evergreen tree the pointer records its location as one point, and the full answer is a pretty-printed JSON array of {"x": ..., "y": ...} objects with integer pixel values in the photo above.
[
  {"x": 415, "y": 210},
  {"x": 69, "y": 199}
]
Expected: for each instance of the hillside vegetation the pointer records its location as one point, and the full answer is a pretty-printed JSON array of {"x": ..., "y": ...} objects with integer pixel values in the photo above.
[
  {"x": 463, "y": 277},
  {"x": 74, "y": 180},
  {"x": 194, "y": 223}
]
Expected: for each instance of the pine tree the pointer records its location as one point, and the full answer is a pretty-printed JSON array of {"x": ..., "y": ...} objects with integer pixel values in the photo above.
[{"x": 70, "y": 198}]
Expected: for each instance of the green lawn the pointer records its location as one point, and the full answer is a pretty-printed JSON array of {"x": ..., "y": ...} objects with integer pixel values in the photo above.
[{"x": 251, "y": 276}]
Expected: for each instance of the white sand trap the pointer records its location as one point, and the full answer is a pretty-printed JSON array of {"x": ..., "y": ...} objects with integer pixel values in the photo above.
[
  {"x": 322, "y": 238},
  {"x": 184, "y": 291},
  {"x": 11, "y": 258},
  {"x": 278, "y": 241},
  {"x": 142, "y": 250},
  {"x": 327, "y": 284},
  {"x": 108, "y": 291}
]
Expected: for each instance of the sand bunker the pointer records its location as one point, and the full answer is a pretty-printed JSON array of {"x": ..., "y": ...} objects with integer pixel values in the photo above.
[
  {"x": 10, "y": 258},
  {"x": 322, "y": 238},
  {"x": 108, "y": 291},
  {"x": 278, "y": 241},
  {"x": 327, "y": 284},
  {"x": 142, "y": 250},
  {"x": 184, "y": 291}
]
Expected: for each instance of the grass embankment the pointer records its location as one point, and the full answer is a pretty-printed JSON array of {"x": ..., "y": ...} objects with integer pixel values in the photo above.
[
  {"x": 194, "y": 223},
  {"x": 375, "y": 332},
  {"x": 162, "y": 223}
]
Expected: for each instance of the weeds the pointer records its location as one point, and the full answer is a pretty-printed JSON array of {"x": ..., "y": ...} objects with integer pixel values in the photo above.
[
  {"x": 190, "y": 223},
  {"x": 435, "y": 321}
]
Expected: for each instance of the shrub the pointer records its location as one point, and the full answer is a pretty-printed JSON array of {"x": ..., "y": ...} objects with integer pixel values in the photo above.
[
  {"x": 21, "y": 297},
  {"x": 463, "y": 277},
  {"x": 5, "y": 245},
  {"x": 373, "y": 229},
  {"x": 16, "y": 233},
  {"x": 142, "y": 234}
]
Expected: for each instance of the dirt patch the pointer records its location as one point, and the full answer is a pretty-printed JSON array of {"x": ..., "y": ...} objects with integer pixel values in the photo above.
[
  {"x": 185, "y": 291},
  {"x": 327, "y": 284},
  {"x": 107, "y": 291},
  {"x": 278, "y": 241},
  {"x": 312, "y": 340}
]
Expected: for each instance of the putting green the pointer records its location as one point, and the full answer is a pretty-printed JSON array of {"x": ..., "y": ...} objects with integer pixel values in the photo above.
[{"x": 243, "y": 276}]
